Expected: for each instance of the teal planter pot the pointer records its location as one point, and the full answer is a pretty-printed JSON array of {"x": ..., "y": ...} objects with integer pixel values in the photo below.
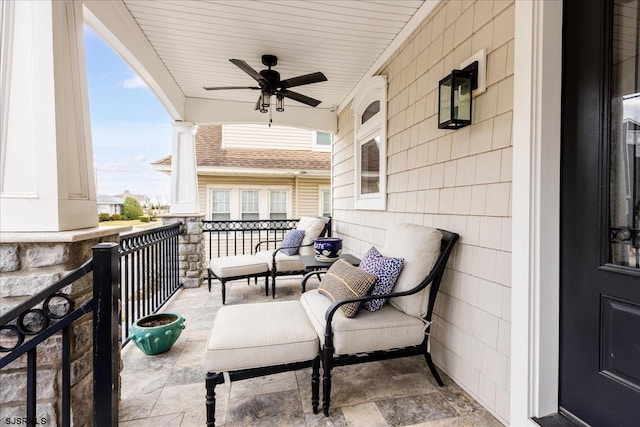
[{"x": 156, "y": 334}]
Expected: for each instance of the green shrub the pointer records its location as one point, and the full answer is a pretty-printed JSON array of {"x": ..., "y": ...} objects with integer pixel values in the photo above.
[
  {"x": 131, "y": 208},
  {"x": 116, "y": 217},
  {"x": 144, "y": 219},
  {"x": 104, "y": 217}
]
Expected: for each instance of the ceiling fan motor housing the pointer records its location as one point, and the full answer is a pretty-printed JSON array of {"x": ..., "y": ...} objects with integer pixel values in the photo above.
[{"x": 272, "y": 77}]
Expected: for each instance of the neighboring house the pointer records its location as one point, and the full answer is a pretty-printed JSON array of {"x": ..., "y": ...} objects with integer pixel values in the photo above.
[
  {"x": 143, "y": 199},
  {"x": 259, "y": 172},
  {"x": 109, "y": 204}
]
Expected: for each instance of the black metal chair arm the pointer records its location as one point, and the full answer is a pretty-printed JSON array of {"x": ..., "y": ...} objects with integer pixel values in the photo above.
[
  {"x": 307, "y": 276},
  {"x": 264, "y": 241},
  {"x": 336, "y": 305}
]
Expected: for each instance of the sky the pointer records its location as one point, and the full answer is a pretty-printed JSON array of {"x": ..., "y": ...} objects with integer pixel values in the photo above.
[{"x": 130, "y": 128}]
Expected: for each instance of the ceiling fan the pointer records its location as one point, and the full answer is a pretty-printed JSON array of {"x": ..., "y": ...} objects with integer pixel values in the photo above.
[{"x": 269, "y": 84}]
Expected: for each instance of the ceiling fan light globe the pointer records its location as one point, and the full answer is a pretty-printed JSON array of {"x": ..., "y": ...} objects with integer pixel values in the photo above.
[
  {"x": 280, "y": 103},
  {"x": 266, "y": 100}
]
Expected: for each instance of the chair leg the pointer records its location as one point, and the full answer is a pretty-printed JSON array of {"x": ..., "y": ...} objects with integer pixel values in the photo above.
[
  {"x": 211, "y": 380},
  {"x": 327, "y": 362},
  {"x": 224, "y": 290},
  {"x": 266, "y": 284},
  {"x": 432, "y": 367},
  {"x": 273, "y": 285},
  {"x": 209, "y": 278},
  {"x": 315, "y": 384}
]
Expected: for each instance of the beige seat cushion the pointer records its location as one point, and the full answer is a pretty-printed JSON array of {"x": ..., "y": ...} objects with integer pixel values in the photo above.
[
  {"x": 238, "y": 265},
  {"x": 312, "y": 227},
  {"x": 384, "y": 329},
  {"x": 420, "y": 248},
  {"x": 257, "y": 335},
  {"x": 284, "y": 263}
]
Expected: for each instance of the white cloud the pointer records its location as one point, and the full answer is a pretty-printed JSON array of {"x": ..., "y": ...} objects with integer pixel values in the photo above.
[
  {"x": 134, "y": 82},
  {"x": 122, "y": 152},
  {"x": 114, "y": 167}
]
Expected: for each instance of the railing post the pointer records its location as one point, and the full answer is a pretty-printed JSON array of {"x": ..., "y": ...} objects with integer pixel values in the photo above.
[{"x": 106, "y": 360}]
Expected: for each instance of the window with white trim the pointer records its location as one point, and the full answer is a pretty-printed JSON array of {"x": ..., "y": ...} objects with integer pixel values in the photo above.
[
  {"x": 278, "y": 204},
  {"x": 220, "y": 205},
  {"x": 322, "y": 141},
  {"x": 250, "y": 204},
  {"x": 324, "y": 202},
  {"x": 370, "y": 110}
]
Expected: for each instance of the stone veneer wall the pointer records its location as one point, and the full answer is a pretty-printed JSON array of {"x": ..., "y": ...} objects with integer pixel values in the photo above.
[
  {"x": 457, "y": 180},
  {"x": 28, "y": 265},
  {"x": 191, "y": 249}
]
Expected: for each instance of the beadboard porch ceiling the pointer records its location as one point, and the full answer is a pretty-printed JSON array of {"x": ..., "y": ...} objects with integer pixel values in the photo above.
[{"x": 179, "y": 46}]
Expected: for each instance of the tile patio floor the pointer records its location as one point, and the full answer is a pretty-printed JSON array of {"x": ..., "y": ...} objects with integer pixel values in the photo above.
[{"x": 168, "y": 389}]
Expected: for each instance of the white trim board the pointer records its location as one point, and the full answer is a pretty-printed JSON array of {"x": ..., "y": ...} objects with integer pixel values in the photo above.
[{"x": 536, "y": 211}]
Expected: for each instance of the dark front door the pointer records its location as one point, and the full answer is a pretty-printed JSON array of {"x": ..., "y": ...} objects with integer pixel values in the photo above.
[{"x": 600, "y": 240}]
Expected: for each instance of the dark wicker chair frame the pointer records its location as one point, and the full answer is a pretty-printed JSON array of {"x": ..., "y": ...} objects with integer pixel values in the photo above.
[
  {"x": 329, "y": 360},
  {"x": 326, "y": 232}
]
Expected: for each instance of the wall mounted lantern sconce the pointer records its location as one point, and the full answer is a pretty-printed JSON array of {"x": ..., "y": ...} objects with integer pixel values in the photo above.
[
  {"x": 455, "y": 95},
  {"x": 455, "y": 92}
]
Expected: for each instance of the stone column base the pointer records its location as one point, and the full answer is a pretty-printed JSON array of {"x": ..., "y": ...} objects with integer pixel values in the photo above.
[{"x": 191, "y": 247}]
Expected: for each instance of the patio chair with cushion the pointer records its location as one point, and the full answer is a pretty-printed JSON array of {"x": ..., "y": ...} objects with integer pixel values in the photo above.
[
  {"x": 397, "y": 329},
  {"x": 285, "y": 260}
]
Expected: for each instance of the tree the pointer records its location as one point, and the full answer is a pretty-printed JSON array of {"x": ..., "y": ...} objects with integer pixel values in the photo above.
[{"x": 131, "y": 208}]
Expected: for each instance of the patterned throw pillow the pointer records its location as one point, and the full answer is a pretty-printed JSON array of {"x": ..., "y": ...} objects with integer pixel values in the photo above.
[
  {"x": 386, "y": 269},
  {"x": 343, "y": 280},
  {"x": 291, "y": 241}
]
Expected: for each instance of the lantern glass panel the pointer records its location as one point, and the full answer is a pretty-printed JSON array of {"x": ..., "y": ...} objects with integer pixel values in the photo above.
[
  {"x": 462, "y": 99},
  {"x": 444, "y": 112}
]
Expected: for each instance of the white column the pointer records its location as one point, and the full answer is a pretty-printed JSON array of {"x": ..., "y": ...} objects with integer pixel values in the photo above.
[
  {"x": 46, "y": 160},
  {"x": 184, "y": 176},
  {"x": 535, "y": 290}
]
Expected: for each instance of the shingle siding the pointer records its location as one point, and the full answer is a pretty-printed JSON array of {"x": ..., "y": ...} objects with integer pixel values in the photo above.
[{"x": 457, "y": 180}]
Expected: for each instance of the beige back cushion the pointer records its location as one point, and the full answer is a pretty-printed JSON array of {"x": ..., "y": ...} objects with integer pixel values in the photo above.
[
  {"x": 420, "y": 248},
  {"x": 312, "y": 227}
]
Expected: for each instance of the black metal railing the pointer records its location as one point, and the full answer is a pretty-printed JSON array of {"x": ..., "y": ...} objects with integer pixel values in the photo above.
[
  {"x": 224, "y": 238},
  {"x": 149, "y": 272},
  {"x": 31, "y": 323}
]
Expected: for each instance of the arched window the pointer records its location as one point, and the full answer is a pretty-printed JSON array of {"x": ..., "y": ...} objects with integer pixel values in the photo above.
[{"x": 370, "y": 110}]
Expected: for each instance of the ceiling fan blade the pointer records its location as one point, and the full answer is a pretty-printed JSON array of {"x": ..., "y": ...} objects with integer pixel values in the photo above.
[
  {"x": 301, "y": 98},
  {"x": 303, "y": 80},
  {"x": 248, "y": 69},
  {"x": 229, "y": 87}
]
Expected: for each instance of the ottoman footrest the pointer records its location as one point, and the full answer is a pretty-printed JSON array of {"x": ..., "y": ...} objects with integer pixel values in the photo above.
[
  {"x": 237, "y": 267},
  {"x": 252, "y": 340}
]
